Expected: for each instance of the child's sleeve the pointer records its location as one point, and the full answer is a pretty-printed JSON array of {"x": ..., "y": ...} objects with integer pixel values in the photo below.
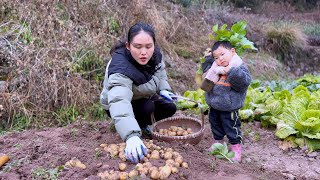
[
  {"x": 239, "y": 78},
  {"x": 207, "y": 64}
]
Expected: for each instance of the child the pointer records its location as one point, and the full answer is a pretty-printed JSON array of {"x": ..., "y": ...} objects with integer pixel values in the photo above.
[{"x": 231, "y": 79}]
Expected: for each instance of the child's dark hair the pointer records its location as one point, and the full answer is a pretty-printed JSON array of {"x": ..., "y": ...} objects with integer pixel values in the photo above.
[
  {"x": 133, "y": 31},
  {"x": 225, "y": 44}
]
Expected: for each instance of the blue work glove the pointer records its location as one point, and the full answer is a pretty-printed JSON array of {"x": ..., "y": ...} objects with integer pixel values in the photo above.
[
  {"x": 166, "y": 94},
  {"x": 135, "y": 149}
]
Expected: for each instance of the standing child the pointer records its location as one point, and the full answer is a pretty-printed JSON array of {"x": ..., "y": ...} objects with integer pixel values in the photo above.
[{"x": 231, "y": 79}]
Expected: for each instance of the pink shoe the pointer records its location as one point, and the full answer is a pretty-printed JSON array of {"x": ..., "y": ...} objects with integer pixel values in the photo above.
[{"x": 236, "y": 148}]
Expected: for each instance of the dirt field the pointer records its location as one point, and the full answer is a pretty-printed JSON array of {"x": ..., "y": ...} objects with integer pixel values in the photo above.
[{"x": 38, "y": 154}]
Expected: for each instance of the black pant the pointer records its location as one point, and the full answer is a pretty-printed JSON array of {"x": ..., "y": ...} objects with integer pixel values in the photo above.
[
  {"x": 143, "y": 108},
  {"x": 225, "y": 123}
]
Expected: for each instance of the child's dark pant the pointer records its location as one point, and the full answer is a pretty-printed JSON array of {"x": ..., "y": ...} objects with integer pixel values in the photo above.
[{"x": 225, "y": 123}]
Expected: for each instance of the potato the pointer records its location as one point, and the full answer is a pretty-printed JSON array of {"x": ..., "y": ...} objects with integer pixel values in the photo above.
[
  {"x": 185, "y": 133},
  {"x": 180, "y": 132},
  {"x": 103, "y": 145},
  {"x": 152, "y": 168},
  {"x": 167, "y": 155},
  {"x": 172, "y": 133},
  {"x": 122, "y": 166},
  {"x": 173, "y": 128},
  {"x": 133, "y": 173},
  {"x": 123, "y": 175},
  {"x": 170, "y": 162},
  {"x": 113, "y": 147},
  {"x": 175, "y": 154},
  {"x": 155, "y": 174},
  {"x": 165, "y": 172},
  {"x": 185, "y": 165},
  {"x": 179, "y": 159},
  {"x": 155, "y": 154},
  {"x": 147, "y": 164},
  {"x": 139, "y": 167},
  {"x": 174, "y": 170},
  {"x": 122, "y": 156},
  {"x": 102, "y": 175},
  {"x": 144, "y": 170},
  {"x": 180, "y": 129},
  {"x": 189, "y": 130},
  {"x": 114, "y": 176}
]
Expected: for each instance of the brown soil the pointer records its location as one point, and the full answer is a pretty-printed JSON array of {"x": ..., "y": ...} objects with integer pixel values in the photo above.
[{"x": 47, "y": 149}]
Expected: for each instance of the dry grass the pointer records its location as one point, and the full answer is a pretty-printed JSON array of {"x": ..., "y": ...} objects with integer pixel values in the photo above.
[
  {"x": 285, "y": 40},
  {"x": 42, "y": 44}
]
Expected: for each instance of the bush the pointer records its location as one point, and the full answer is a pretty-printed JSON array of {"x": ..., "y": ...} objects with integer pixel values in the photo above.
[{"x": 285, "y": 40}]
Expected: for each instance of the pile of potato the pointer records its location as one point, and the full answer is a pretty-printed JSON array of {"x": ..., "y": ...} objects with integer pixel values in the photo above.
[
  {"x": 175, "y": 131},
  {"x": 172, "y": 162}
]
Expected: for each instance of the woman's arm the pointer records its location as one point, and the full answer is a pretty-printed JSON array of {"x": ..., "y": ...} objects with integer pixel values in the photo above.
[{"x": 119, "y": 99}]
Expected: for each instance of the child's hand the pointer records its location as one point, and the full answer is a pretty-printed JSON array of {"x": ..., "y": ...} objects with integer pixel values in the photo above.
[{"x": 211, "y": 73}]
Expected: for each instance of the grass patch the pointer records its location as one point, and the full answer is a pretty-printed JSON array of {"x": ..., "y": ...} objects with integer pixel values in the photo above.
[{"x": 311, "y": 29}]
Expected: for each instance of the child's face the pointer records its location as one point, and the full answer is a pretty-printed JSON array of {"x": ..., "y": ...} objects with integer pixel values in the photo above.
[{"x": 222, "y": 56}]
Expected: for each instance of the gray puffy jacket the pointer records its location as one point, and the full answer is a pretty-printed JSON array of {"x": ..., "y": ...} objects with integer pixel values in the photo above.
[{"x": 126, "y": 80}]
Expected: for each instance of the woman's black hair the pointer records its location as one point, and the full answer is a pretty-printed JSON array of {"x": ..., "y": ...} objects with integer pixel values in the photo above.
[
  {"x": 133, "y": 31},
  {"x": 225, "y": 44}
]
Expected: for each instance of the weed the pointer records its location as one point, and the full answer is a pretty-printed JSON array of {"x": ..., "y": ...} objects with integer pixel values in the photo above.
[
  {"x": 17, "y": 145},
  {"x": 42, "y": 173},
  {"x": 113, "y": 25},
  {"x": 88, "y": 64},
  {"x": 62, "y": 12},
  {"x": 256, "y": 137},
  {"x": 97, "y": 112},
  {"x": 67, "y": 115},
  {"x": 183, "y": 52},
  {"x": 212, "y": 165},
  {"x": 246, "y": 132},
  {"x": 25, "y": 32},
  {"x": 74, "y": 131},
  {"x": 20, "y": 122},
  {"x": 112, "y": 127},
  {"x": 98, "y": 154}
]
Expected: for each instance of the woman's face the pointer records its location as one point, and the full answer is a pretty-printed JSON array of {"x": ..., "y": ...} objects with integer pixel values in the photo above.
[
  {"x": 222, "y": 56},
  {"x": 141, "y": 47}
]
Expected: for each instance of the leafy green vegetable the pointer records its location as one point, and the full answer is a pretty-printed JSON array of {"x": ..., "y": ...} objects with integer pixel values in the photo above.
[
  {"x": 236, "y": 36},
  {"x": 309, "y": 122},
  {"x": 283, "y": 130},
  {"x": 221, "y": 151}
]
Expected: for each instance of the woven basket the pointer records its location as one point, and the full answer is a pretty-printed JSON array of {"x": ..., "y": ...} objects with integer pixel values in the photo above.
[{"x": 196, "y": 125}]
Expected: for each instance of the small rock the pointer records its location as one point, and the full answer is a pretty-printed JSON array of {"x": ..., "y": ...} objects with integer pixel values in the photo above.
[
  {"x": 289, "y": 176},
  {"x": 99, "y": 165},
  {"x": 311, "y": 159},
  {"x": 313, "y": 154},
  {"x": 247, "y": 160}
]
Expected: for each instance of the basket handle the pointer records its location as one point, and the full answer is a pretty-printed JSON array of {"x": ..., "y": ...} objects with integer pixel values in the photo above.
[
  {"x": 153, "y": 121},
  {"x": 199, "y": 105}
]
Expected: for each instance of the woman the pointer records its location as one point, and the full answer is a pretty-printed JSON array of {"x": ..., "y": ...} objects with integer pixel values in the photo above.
[{"x": 134, "y": 77}]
